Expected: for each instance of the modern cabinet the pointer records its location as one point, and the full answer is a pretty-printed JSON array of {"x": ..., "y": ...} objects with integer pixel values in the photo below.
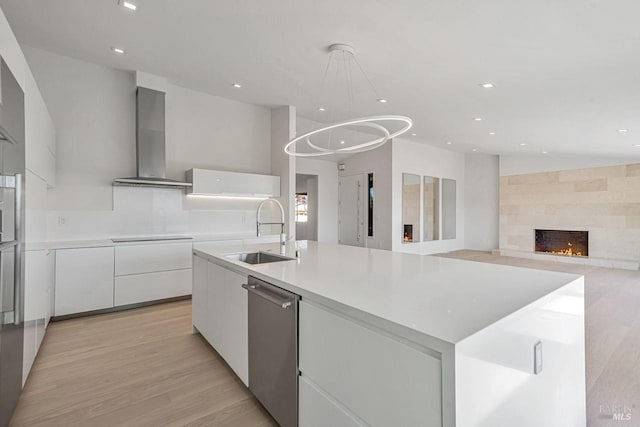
[
  {"x": 199, "y": 297},
  {"x": 317, "y": 409},
  {"x": 220, "y": 313},
  {"x": 137, "y": 288},
  {"x": 358, "y": 375},
  {"x": 151, "y": 272},
  {"x": 38, "y": 302},
  {"x": 84, "y": 280},
  {"x": 40, "y": 135},
  {"x": 225, "y": 183}
]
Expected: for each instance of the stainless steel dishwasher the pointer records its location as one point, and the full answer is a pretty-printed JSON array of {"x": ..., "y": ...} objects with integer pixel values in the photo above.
[{"x": 273, "y": 349}]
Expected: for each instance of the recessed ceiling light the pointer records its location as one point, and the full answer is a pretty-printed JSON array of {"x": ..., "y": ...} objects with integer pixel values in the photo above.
[
  {"x": 341, "y": 142},
  {"x": 487, "y": 85},
  {"x": 522, "y": 144},
  {"x": 382, "y": 100},
  {"x": 118, "y": 50},
  {"x": 477, "y": 119},
  {"x": 623, "y": 130},
  {"x": 321, "y": 109},
  {"x": 448, "y": 142},
  {"x": 128, "y": 5},
  {"x": 414, "y": 134},
  {"x": 237, "y": 85},
  {"x": 474, "y": 149},
  {"x": 545, "y": 152},
  {"x": 492, "y": 133}
]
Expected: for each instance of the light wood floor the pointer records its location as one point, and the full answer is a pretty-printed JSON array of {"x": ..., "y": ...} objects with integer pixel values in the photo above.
[
  {"x": 612, "y": 324},
  {"x": 144, "y": 367},
  {"x": 141, "y": 367}
]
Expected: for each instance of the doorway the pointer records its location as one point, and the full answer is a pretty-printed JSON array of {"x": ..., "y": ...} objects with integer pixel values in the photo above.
[
  {"x": 306, "y": 207},
  {"x": 352, "y": 210}
]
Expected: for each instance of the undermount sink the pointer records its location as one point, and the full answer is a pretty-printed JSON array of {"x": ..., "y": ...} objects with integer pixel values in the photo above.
[{"x": 258, "y": 257}]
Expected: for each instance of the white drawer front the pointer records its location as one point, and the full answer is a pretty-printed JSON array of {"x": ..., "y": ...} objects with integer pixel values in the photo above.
[
  {"x": 152, "y": 286},
  {"x": 317, "y": 409},
  {"x": 136, "y": 259},
  {"x": 382, "y": 381}
]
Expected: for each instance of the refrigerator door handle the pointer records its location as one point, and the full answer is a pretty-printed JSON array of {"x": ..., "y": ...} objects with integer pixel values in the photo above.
[{"x": 17, "y": 277}]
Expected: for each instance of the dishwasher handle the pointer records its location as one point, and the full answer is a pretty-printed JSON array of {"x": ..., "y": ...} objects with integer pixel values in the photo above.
[{"x": 280, "y": 302}]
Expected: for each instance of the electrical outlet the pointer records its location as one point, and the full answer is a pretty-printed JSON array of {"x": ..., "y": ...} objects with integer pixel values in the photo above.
[{"x": 62, "y": 221}]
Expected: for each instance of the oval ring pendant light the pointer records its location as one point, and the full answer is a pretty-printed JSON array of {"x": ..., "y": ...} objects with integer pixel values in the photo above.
[{"x": 383, "y": 127}]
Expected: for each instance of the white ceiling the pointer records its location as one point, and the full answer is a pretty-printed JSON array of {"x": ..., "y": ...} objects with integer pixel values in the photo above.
[{"x": 567, "y": 73}]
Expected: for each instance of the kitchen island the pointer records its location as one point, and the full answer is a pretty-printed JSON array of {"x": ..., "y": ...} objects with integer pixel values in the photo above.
[{"x": 388, "y": 338}]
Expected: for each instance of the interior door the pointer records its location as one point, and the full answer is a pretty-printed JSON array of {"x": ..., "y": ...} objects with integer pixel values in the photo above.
[
  {"x": 351, "y": 215},
  {"x": 12, "y": 167}
]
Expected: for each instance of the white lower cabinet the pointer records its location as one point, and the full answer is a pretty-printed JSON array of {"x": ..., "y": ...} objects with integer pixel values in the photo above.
[
  {"x": 381, "y": 380},
  {"x": 223, "y": 319},
  {"x": 84, "y": 280},
  {"x": 38, "y": 302},
  {"x": 151, "y": 272},
  {"x": 137, "y": 288},
  {"x": 200, "y": 297},
  {"x": 317, "y": 409}
]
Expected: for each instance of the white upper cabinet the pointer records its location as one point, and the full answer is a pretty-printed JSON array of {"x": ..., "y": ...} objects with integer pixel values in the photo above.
[
  {"x": 222, "y": 183},
  {"x": 40, "y": 136}
]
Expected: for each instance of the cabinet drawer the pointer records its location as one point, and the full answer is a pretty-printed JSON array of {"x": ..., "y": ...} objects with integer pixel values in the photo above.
[
  {"x": 382, "y": 381},
  {"x": 137, "y": 259},
  {"x": 317, "y": 409},
  {"x": 152, "y": 286}
]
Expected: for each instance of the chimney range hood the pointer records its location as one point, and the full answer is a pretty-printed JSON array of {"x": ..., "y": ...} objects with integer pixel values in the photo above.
[{"x": 150, "y": 143}]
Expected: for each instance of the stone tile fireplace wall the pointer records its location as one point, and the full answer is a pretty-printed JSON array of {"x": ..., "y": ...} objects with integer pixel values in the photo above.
[{"x": 604, "y": 201}]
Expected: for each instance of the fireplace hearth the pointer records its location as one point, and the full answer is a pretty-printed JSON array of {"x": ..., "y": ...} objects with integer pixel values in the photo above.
[{"x": 562, "y": 242}]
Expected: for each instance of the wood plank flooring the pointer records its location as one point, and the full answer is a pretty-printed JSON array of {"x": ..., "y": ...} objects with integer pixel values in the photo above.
[
  {"x": 144, "y": 367},
  {"x": 141, "y": 367},
  {"x": 612, "y": 324}
]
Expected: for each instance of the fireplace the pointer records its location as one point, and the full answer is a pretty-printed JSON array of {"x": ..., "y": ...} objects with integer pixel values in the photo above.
[
  {"x": 563, "y": 242},
  {"x": 408, "y": 233}
]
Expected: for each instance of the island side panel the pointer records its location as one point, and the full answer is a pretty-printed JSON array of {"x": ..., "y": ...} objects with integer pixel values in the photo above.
[{"x": 496, "y": 383}]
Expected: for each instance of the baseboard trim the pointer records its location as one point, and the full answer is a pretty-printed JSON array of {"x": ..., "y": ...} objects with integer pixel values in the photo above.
[{"x": 119, "y": 308}]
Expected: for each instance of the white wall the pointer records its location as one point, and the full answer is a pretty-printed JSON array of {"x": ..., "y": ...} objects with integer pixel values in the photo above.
[
  {"x": 327, "y": 173},
  {"x": 481, "y": 201},
  {"x": 377, "y": 161},
  {"x": 94, "y": 109},
  {"x": 525, "y": 164},
  {"x": 425, "y": 160}
]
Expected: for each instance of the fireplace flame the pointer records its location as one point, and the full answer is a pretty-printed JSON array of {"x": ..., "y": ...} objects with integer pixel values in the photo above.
[{"x": 569, "y": 251}]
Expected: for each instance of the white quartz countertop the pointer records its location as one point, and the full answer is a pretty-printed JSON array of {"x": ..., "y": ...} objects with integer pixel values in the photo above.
[{"x": 445, "y": 299}]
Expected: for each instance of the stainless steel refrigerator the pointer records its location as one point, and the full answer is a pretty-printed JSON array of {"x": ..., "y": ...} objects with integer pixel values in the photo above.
[{"x": 12, "y": 172}]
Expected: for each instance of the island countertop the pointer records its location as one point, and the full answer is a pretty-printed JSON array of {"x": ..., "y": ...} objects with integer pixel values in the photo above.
[{"x": 442, "y": 298}]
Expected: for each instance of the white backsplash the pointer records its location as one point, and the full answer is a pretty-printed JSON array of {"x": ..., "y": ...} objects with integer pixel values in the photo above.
[{"x": 156, "y": 211}]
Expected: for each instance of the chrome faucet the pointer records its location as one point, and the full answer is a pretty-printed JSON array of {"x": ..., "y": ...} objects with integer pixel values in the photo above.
[{"x": 283, "y": 236}]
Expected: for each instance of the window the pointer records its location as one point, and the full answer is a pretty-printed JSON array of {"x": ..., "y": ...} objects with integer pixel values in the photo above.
[{"x": 301, "y": 207}]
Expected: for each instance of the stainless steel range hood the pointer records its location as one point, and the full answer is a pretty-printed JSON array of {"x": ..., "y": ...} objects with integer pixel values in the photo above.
[{"x": 150, "y": 143}]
